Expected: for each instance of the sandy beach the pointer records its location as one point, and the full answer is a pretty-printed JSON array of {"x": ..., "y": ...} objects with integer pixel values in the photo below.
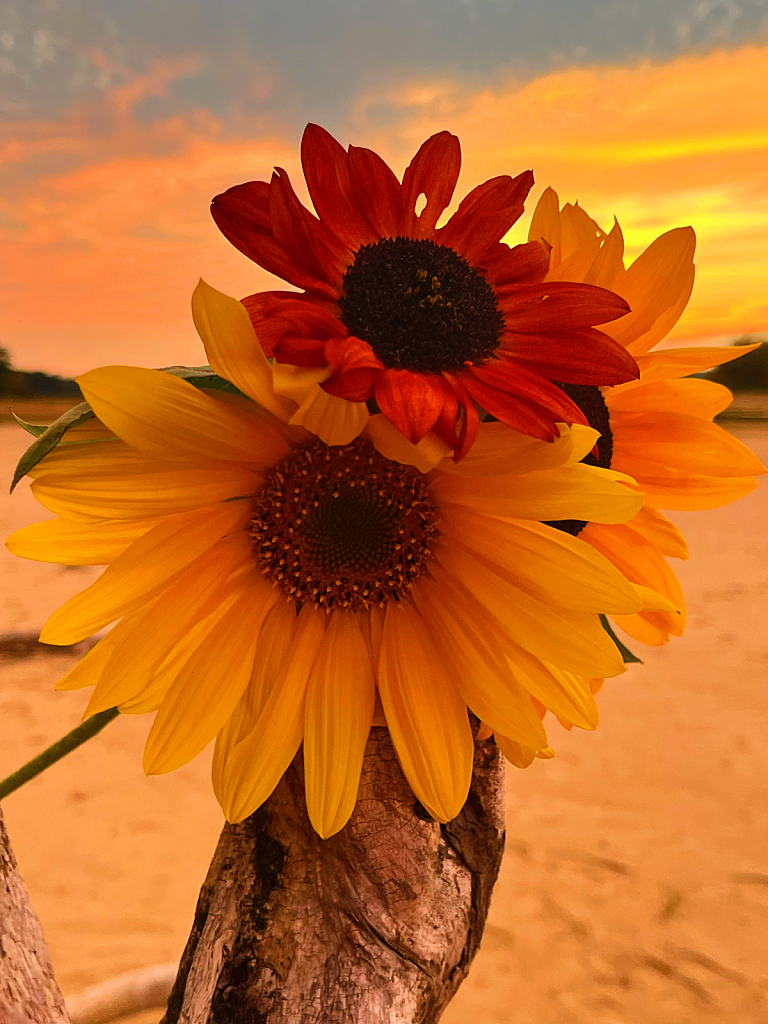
[{"x": 635, "y": 883}]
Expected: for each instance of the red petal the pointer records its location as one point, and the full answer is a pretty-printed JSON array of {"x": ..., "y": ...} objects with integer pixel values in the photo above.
[
  {"x": 412, "y": 401},
  {"x": 575, "y": 357},
  {"x": 433, "y": 172},
  {"x": 522, "y": 264},
  {"x": 276, "y": 314},
  {"x": 325, "y": 168},
  {"x": 303, "y": 235},
  {"x": 377, "y": 189},
  {"x": 486, "y": 215},
  {"x": 521, "y": 414},
  {"x": 240, "y": 214},
  {"x": 355, "y": 368},
  {"x": 516, "y": 383},
  {"x": 299, "y": 351},
  {"x": 469, "y": 424},
  {"x": 558, "y": 305}
]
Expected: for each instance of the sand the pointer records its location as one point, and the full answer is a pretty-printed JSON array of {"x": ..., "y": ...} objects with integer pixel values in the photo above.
[{"x": 635, "y": 883}]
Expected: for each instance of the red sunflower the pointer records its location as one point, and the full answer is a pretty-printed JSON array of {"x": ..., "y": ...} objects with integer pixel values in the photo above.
[{"x": 430, "y": 322}]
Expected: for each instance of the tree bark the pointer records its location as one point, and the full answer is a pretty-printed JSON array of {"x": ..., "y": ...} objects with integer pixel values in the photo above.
[
  {"x": 377, "y": 925},
  {"x": 29, "y": 993}
]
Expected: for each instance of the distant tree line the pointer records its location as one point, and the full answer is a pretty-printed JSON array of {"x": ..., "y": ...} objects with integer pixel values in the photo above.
[
  {"x": 34, "y": 384},
  {"x": 750, "y": 373}
]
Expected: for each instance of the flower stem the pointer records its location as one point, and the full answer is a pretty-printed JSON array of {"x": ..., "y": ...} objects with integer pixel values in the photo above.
[{"x": 56, "y": 751}]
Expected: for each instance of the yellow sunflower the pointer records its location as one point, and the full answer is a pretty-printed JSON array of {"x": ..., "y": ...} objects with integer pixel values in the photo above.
[
  {"x": 271, "y": 589},
  {"x": 657, "y": 429}
]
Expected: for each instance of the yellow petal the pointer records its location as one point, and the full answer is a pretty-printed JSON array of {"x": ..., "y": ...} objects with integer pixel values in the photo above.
[
  {"x": 168, "y": 417},
  {"x": 69, "y": 542},
  {"x": 638, "y": 628},
  {"x": 110, "y": 454},
  {"x": 566, "y": 694},
  {"x": 153, "y": 693},
  {"x": 233, "y": 349},
  {"x": 460, "y": 629},
  {"x": 142, "y": 572},
  {"x": 393, "y": 445},
  {"x": 257, "y": 763},
  {"x": 334, "y": 420},
  {"x": 545, "y": 224},
  {"x": 88, "y": 670},
  {"x": 692, "y": 397},
  {"x": 576, "y": 266},
  {"x": 680, "y": 362},
  {"x": 544, "y": 562},
  {"x": 636, "y": 556},
  {"x": 659, "y": 281},
  {"x": 501, "y": 451},
  {"x": 275, "y": 642},
  {"x": 209, "y": 686},
  {"x": 426, "y": 717},
  {"x": 162, "y": 489},
  {"x": 653, "y": 601},
  {"x": 570, "y": 639},
  {"x": 202, "y": 593},
  {"x": 516, "y": 753},
  {"x": 694, "y": 493},
  {"x": 607, "y": 270},
  {"x": 655, "y": 529},
  {"x": 568, "y": 492},
  {"x": 673, "y": 448},
  {"x": 337, "y": 720}
]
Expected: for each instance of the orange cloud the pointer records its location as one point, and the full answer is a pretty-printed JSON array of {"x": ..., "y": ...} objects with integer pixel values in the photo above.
[
  {"x": 104, "y": 225},
  {"x": 657, "y": 145}
]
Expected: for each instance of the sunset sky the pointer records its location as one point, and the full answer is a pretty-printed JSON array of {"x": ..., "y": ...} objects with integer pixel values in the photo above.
[{"x": 122, "y": 118}]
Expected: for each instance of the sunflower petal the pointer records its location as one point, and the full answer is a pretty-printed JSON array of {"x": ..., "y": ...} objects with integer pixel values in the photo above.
[
  {"x": 337, "y": 720},
  {"x": 275, "y": 641},
  {"x": 202, "y": 593},
  {"x": 69, "y": 542},
  {"x": 569, "y": 492},
  {"x": 426, "y": 717},
  {"x": 388, "y": 440},
  {"x": 460, "y": 629},
  {"x": 546, "y": 563},
  {"x": 256, "y": 764},
  {"x": 142, "y": 572},
  {"x": 569, "y": 639},
  {"x": 170, "y": 418},
  {"x": 153, "y": 490},
  {"x": 232, "y": 347},
  {"x": 209, "y": 686}
]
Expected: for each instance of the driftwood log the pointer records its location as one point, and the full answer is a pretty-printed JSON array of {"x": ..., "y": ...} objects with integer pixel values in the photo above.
[
  {"x": 29, "y": 993},
  {"x": 377, "y": 925}
]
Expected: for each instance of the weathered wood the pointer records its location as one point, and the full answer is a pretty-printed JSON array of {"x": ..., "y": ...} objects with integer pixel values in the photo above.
[
  {"x": 29, "y": 993},
  {"x": 377, "y": 925}
]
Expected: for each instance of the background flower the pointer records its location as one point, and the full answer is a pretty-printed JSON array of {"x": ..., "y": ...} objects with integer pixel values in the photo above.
[{"x": 657, "y": 429}]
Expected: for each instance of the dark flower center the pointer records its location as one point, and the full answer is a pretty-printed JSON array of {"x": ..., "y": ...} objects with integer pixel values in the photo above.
[
  {"x": 342, "y": 526},
  {"x": 590, "y": 400},
  {"x": 420, "y": 306}
]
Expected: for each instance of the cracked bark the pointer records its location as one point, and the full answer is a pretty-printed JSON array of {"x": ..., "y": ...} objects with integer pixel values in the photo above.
[
  {"x": 29, "y": 993},
  {"x": 377, "y": 925}
]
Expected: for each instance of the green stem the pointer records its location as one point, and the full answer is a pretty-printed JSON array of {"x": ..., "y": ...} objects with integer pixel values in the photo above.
[{"x": 56, "y": 751}]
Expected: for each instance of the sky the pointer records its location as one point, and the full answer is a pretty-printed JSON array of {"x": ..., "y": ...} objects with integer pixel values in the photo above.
[{"x": 120, "y": 119}]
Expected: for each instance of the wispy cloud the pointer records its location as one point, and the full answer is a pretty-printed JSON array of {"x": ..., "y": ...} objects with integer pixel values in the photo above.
[{"x": 104, "y": 224}]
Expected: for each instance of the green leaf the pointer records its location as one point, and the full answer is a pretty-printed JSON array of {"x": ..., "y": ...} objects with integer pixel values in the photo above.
[
  {"x": 204, "y": 377},
  {"x": 627, "y": 656},
  {"x": 50, "y": 437},
  {"x": 31, "y": 428}
]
